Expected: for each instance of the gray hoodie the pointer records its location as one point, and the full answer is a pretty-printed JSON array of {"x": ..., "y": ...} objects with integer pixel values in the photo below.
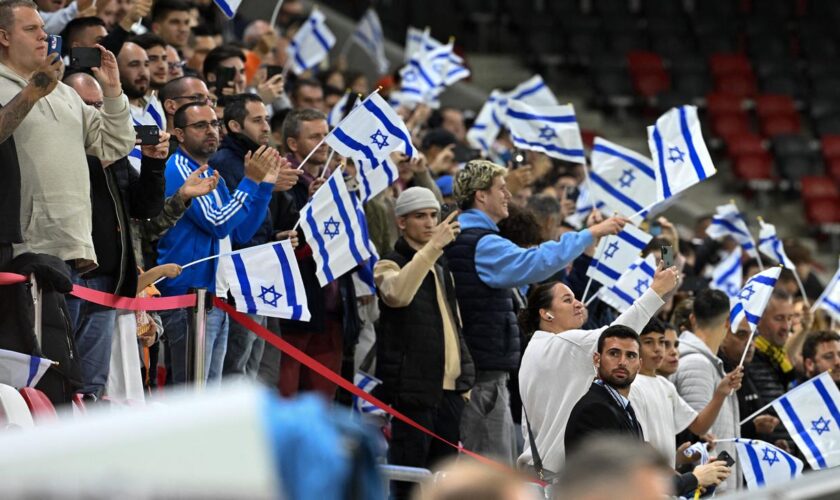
[
  {"x": 51, "y": 142},
  {"x": 699, "y": 373}
]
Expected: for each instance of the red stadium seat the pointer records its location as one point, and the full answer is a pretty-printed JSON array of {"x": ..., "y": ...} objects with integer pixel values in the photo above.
[
  {"x": 830, "y": 146},
  {"x": 718, "y": 103},
  {"x": 818, "y": 187},
  {"x": 738, "y": 85},
  {"x": 641, "y": 62},
  {"x": 730, "y": 124},
  {"x": 40, "y": 406},
  {"x": 742, "y": 144},
  {"x": 651, "y": 84},
  {"x": 753, "y": 166},
  {"x": 823, "y": 211},
  {"x": 773, "y": 104},
  {"x": 779, "y": 124},
  {"x": 729, "y": 64},
  {"x": 832, "y": 167}
]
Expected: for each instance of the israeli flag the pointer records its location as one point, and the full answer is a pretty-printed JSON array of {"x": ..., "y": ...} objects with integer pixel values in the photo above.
[
  {"x": 533, "y": 91},
  {"x": 698, "y": 447},
  {"x": 342, "y": 108},
  {"x": 487, "y": 123},
  {"x": 424, "y": 77},
  {"x": 150, "y": 114},
  {"x": 228, "y": 7},
  {"x": 616, "y": 253},
  {"x": 753, "y": 298},
  {"x": 631, "y": 285},
  {"x": 622, "y": 178},
  {"x": 679, "y": 152},
  {"x": 728, "y": 221},
  {"x": 365, "y": 272},
  {"x": 771, "y": 245},
  {"x": 417, "y": 40},
  {"x": 21, "y": 370},
  {"x": 369, "y": 36},
  {"x": 311, "y": 43},
  {"x": 728, "y": 276},
  {"x": 765, "y": 465},
  {"x": 552, "y": 130},
  {"x": 811, "y": 414},
  {"x": 331, "y": 226},
  {"x": 366, "y": 383},
  {"x": 266, "y": 281},
  {"x": 829, "y": 301}
]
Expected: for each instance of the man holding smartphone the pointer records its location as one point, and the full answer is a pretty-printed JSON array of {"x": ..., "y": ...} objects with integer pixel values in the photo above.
[
  {"x": 224, "y": 70},
  {"x": 146, "y": 109}
]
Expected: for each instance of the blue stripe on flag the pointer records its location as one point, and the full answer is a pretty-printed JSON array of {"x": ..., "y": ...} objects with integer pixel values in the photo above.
[
  {"x": 728, "y": 225},
  {"x": 136, "y": 153},
  {"x": 647, "y": 269},
  {"x": 298, "y": 59},
  {"x": 423, "y": 74},
  {"x": 615, "y": 193},
  {"x": 752, "y": 318},
  {"x": 800, "y": 429},
  {"x": 545, "y": 118},
  {"x": 600, "y": 266},
  {"x": 660, "y": 155},
  {"x": 827, "y": 400},
  {"x": 832, "y": 305},
  {"x": 356, "y": 146},
  {"x": 764, "y": 280},
  {"x": 692, "y": 152},
  {"x": 479, "y": 126},
  {"x": 577, "y": 153},
  {"x": 244, "y": 283},
  {"x": 342, "y": 211},
  {"x": 319, "y": 36},
  {"x": 392, "y": 129},
  {"x": 729, "y": 272},
  {"x": 739, "y": 307},
  {"x": 627, "y": 158},
  {"x": 791, "y": 464},
  {"x": 756, "y": 465},
  {"x": 34, "y": 363},
  {"x": 495, "y": 119},
  {"x": 223, "y": 5},
  {"x": 319, "y": 242},
  {"x": 532, "y": 90},
  {"x": 288, "y": 280},
  {"x": 622, "y": 295},
  {"x": 624, "y": 235},
  {"x": 155, "y": 116}
]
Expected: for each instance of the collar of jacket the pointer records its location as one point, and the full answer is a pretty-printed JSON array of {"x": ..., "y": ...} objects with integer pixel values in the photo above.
[
  {"x": 239, "y": 143},
  {"x": 403, "y": 248}
]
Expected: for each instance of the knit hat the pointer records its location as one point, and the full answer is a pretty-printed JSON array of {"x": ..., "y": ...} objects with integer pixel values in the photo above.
[
  {"x": 475, "y": 176},
  {"x": 415, "y": 198}
]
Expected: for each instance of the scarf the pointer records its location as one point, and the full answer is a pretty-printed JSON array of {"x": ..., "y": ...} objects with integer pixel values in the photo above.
[{"x": 776, "y": 354}]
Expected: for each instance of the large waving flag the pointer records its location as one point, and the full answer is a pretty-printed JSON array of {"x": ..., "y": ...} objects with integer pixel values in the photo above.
[
  {"x": 728, "y": 276},
  {"x": 311, "y": 43},
  {"x": 616, "y": 253},
  {"x": 728, "y": 221},
  {"x": 429, "y": 72},
  {"x": 21, "y": 370},
  {"x": 266, "y": 281},
  {"x": 631, "y": 285},
  {"x": 369, "y": 36},
  {"x": 811, "y": 414},
  {"x": 753, "y": 298},
  {"x": 622, "y": 178},
  {"x": 829, "y": 301},
  {"x": 552, "y": 130},
  {"x": 771, "y": 245},
  {"x": 228, "y": 7},
  {"x": 370, "y": 133},
  {"x": 679, "y": 152},
  {"x": 765, "y": 465},
  {"x": 332, "y": 229}
]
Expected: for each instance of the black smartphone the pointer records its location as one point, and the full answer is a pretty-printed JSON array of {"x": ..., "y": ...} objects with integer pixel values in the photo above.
[
  {"x": 726, "y": 457},
  {"x": 271, "y": 70},
  {"x": 148, "y": 135},
  {"x": 667, "y": 255},
  {"x": 85, "y": 57},
  {"x": 572, "y": 193},
  {"x": 224, "y": 77},
  {"x": 446, "y": 209}
]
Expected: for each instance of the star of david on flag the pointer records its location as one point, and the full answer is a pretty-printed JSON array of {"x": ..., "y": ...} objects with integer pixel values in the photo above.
[
  {"x": 331, "y": 209},
  {"x": 623, "y": 179},
  {"x": 616, "y": 253},
  {"x": 631, "y": 285},
  {"x": 811, "y": 414},
  {"x": 829, "y": 300},
  {"x": 771, "y": 245},
  {"x": 370, "y": 133},
  {"x": 753, "y": 298},
  {"x": 728, "y": 276},
  {"x": 21, "y": 370},
  {"x": 679, "y": 153},
  {"x": 311, "y": 43},
  {"x": 728, "y": 221},
  {"x": 765, "y": 465},
  {"x": 369, "y": 36},
  {"x": 552, "y": 130},
  {"x": 266, "y": 281}
]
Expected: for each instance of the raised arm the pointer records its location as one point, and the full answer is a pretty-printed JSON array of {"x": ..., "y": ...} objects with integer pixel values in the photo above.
[
  {"x": 665, "y": 282},
  {"x": 42, "y": 83}
]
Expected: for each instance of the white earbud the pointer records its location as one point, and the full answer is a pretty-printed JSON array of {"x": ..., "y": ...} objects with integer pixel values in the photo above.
[{"x": 549, "y": 316}]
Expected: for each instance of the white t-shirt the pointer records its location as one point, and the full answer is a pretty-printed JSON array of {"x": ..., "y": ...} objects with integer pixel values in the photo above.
[{"x": 661, "y": 411}]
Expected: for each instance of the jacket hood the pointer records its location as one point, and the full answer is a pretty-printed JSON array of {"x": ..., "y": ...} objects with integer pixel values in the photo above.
[{"x": 691, "y": 344}]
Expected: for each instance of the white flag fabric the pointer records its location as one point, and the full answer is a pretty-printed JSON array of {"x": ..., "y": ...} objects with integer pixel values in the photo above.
[
  {"x": 416, "y": 40},
  {"x": 621, "y": 178},
  {"x": 698, "y": 447},
  {"x": 228, "y": 7},
  {"x": 811, "y": 416},
  {"x": 331, "y": 226},
  {"x": 678, "y": 151},
  {"x": 616, "y": 253},
  {"x": 829, "y": 301},
  {"x": 583, "y": 205},
  {"x": 753, "y": 298},
  {"x": 311, "y": 43},
  {"x": 765, "y": 465},
  {"x": 631, "y": 285},
  {"x": 728, "y": 221},
  {"x": 533, "y": 91},
  {"x": 369, "y": 36},
  {"x": 429, "y": 72},
  {"x": 552, "y": 130},
  {"x": 21, "y": 370},
  {"x": 266, "y": 281},
  {"x": 339, "y": 110},
  {"x": 771, "y": 245},
  {"x": 367, "y": 383},
  {"x": 728, "y": 276}
]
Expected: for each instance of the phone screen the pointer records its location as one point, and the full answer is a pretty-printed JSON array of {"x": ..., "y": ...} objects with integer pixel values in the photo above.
[{"x": 668, "y": 255}]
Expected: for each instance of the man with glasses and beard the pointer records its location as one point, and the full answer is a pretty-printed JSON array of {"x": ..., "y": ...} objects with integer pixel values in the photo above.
[
  {"x": 145, "y": 106},
  {"x": 176, "y": 93},
  {"x": 210, "y": 226}
]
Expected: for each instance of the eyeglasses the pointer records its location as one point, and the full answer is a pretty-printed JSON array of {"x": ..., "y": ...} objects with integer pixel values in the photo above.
[
  {"x": 202, "y": 126},
  {"x": 176, "y": 64},
  {"x": 198, "y": 98},
  {"x": 95, "y": 104}
]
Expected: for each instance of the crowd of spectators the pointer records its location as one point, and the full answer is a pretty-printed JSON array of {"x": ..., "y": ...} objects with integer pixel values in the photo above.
[{"x": 477, "y": 329}]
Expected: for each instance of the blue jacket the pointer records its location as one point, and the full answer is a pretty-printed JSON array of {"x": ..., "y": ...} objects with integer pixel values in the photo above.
[
  {"x": 208, "y": 219},
  {"x": 503, "y": 264},
  {"x": 229, "y": 161}
]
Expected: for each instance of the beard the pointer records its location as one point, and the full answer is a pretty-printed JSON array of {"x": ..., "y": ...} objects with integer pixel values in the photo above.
[
  {"x": 615, "y": 382},
  {"x": 133, "y": 92}
]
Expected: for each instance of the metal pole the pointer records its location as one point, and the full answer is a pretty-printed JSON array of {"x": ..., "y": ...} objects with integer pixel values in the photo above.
[
  {"x": 197, "y": 339},
  {"x": 37, "y": 299}
]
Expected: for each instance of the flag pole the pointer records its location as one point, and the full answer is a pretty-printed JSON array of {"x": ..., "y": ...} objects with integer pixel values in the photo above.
[
  {"x": 327, "y": 164},
  {"x": 589, "y": 283},
  {"x": 746, "y": 349},
  {"x": 752, "y": 240},
  {"x": 217, "y": 256},
  {"x": 592, "y": 299},
  {"x": 276, "y": 13},
  {"x": 795, "y": 272}
]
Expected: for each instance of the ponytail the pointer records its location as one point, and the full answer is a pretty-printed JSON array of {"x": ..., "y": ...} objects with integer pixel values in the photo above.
[{"x": 539, "y": 297}]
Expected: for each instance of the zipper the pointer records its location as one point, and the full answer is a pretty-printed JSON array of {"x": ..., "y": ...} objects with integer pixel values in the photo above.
[{"x": 69, "y": 331}]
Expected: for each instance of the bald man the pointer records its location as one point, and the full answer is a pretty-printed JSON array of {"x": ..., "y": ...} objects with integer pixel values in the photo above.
[{"x": 146, "y": 109}]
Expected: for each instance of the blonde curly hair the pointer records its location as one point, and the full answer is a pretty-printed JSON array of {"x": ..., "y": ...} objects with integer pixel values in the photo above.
[{"x": 477, "y": 175}]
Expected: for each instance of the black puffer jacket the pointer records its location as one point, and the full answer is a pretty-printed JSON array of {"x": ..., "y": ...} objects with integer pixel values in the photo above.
[{"x": 770, "y": 383}]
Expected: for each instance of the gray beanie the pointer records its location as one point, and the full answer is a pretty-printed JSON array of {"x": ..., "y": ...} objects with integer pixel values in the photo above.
[{"x": 415, "y": 198}]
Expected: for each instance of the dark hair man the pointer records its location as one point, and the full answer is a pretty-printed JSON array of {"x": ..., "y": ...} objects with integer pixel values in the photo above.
[
  {"x": 308, "y": 94},
  {"x": 155, "y": 48},
  {"x": 171, "y": 21},
  {"x": 231, "y": 58},
  {"x": 821, "y": 353}
]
